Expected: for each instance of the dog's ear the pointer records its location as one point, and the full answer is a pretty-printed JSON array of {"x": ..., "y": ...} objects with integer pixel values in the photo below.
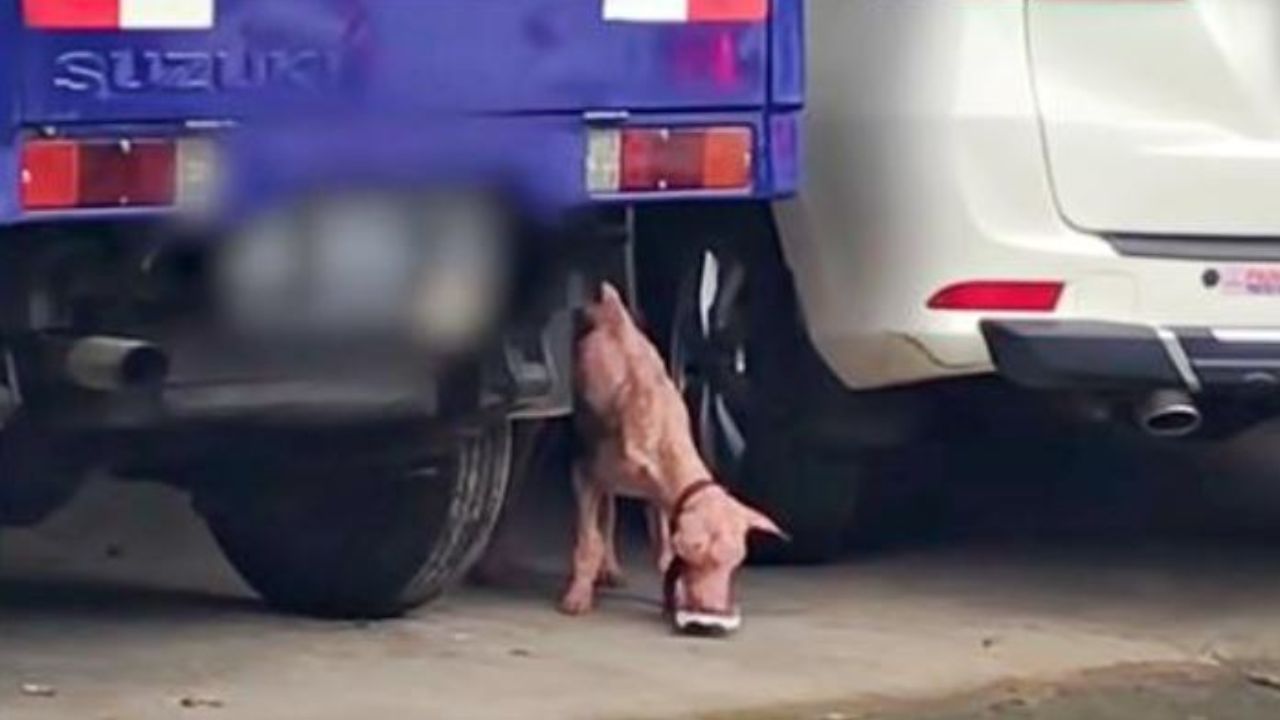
[
  {"x": 612, "y": 307},
  {"x": 611, "y": 298},
  {"x": 761, "y": 523},
  {"x": 607, "y": 308},
  {"x": 609, "y": 295}
]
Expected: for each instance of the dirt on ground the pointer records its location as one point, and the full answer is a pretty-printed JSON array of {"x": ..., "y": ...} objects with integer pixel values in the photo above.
[{"x": 1127, "y": 692}]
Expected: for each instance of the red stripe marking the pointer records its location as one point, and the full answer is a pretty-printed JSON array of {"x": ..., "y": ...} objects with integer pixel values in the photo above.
[
  {"x": 728, "y": 10},
  {"x": 72, "y": 14}
]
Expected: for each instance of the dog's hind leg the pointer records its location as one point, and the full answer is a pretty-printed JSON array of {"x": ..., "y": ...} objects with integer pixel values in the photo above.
[
  {"x": 589, "y": 548},
  {"x": 611, "y": 574}
]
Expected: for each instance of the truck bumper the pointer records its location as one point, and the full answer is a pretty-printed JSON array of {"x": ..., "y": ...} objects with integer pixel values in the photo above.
[{"x": 526, "y": 374}]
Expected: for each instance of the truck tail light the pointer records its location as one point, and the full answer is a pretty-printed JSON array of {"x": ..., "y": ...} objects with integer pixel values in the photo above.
[
  {"x": 1007, "y": 296},
  {"x": 654, "y": 160},
  {"x": 64, "y": 174}
]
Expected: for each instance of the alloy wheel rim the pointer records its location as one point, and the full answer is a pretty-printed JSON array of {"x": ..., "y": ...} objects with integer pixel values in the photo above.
[{"x": 710, "y": 359}]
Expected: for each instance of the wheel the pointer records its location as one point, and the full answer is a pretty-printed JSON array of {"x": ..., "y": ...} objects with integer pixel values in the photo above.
[
  {"x": 725, "y": 308},
  {"x": 360, "y": 541},
  {"x": 41, "y": 470}
]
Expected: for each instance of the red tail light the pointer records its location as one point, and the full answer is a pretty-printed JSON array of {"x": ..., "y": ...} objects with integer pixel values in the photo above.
[
  {"x": 643, "y": 160},
  {"x": 66, "y": 174},
  {"x": 1009, "y": 296},
  {"x": 50, "y": 174}
]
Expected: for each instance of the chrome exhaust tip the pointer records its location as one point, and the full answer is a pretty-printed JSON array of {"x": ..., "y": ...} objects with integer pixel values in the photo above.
[
  {"x": 1169, "y": 414},
  {"x": 109, "y": 364}
]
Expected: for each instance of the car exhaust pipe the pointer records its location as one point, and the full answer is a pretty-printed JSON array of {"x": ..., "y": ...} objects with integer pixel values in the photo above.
[
  {"x": 1169, "y": 414},
  {"x": 110, "y": 364}
]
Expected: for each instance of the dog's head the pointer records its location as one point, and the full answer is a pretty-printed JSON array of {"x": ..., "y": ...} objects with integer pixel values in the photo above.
[{"x": 710, "y": 536}]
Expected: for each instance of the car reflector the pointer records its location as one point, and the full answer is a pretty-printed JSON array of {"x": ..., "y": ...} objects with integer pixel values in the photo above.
[
  {"x": 68, "y": 174},
  {"x": 119, "y": 14},
  {"x": 647, "y": 160},
  {"x": 685, "y": 11},
  {"x": 1009, "y": 296}
]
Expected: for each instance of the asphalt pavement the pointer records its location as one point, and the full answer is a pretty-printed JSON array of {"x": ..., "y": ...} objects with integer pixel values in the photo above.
[{"x": 1075, "y": 578}]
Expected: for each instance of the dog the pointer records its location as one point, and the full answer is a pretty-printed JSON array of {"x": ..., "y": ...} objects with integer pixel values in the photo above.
[{"x": 635, "y": 440}]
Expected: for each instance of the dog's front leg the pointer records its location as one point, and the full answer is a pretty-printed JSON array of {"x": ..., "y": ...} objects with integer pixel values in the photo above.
[{"x": 660, "y": 537}]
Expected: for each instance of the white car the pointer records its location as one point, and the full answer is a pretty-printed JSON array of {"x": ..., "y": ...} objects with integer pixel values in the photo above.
[{"x": 1079, "y": 197}]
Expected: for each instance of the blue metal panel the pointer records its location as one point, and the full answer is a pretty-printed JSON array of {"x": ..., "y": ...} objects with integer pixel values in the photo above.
[
  {"x": 786, "y": 148},
  {"x": 368, "y": 87},
  {"x": 8, "y": 109},
  {"x": 493, "y": 55},
  {"x": 539, "y": 161},
  {"x": 788, "y": 62}
]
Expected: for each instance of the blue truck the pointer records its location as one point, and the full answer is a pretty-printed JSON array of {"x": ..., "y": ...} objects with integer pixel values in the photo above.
[{"x": 316, "y": 261}]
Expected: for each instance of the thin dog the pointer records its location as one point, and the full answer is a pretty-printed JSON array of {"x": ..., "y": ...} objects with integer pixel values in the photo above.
[{"x": 636, "y": 439}]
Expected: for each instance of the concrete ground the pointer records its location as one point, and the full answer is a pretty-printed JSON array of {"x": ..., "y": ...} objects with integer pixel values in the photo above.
[{"x": 1081, "y": 579}]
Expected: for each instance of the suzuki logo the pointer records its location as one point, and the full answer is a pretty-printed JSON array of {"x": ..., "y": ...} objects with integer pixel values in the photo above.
[{"x": 126, "y": 72}]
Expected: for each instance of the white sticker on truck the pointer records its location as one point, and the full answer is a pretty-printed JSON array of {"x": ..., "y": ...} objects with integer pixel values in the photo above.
[{"x": 166, "y": 14}]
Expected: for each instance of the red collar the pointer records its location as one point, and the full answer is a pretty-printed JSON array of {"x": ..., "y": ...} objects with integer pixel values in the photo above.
[
  {"x": 678, "y": 564},
  {"x": 687, "y": 495}
]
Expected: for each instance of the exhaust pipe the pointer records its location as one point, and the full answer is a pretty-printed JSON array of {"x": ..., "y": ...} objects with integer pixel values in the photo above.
[
  {"x": 110, "y": 364},
  {"x": 1169, "y": 414}
]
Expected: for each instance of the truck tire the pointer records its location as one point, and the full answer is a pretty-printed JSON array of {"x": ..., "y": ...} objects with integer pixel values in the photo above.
[
  {"x": 41, "y": 470},
  {"x": 361, "y": 542},
  {"x": 723, "y": 305}
]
